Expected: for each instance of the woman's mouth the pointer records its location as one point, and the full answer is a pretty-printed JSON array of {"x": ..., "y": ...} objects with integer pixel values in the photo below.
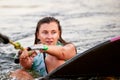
[{"x": 49, "y": 42}]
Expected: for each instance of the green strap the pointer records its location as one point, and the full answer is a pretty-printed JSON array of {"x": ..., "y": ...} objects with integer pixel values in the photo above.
[{"x": 45, "y": 47}]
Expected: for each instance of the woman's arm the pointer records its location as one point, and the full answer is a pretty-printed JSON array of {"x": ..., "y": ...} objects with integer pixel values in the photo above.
[{"x": 62, "y": 52}]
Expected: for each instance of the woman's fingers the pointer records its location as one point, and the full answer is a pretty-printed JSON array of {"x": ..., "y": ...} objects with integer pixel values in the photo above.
[{"x": 24, "y": 54}]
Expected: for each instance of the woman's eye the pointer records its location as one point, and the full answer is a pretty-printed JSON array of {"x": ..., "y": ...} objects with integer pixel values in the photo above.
[
  {"x": 44, "y": 32},
  {"x": 53, "y": 32}
]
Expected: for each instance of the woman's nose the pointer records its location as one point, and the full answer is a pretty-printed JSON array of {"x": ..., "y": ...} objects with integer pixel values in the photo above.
[{"x": 49, "y": 35}]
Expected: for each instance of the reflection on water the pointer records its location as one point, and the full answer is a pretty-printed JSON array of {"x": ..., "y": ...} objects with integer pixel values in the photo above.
[{"x": 86, "y": 23}]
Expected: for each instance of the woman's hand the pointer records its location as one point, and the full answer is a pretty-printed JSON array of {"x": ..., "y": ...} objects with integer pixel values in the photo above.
[
  {"x": 24, "y": 54},
  {"x": 26, "y": 60}
]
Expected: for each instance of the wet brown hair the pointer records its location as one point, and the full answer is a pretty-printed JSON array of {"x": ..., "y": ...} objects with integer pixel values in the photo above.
[{"x": 48, "y": 20}]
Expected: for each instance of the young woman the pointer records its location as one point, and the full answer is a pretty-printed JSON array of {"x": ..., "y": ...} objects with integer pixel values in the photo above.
[{"x": 54, "y": 51}]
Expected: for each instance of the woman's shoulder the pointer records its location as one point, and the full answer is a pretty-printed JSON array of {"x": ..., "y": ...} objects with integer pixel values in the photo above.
[
  {"x": 68, "y": 45},
  {"x": 71, "y": 46}
]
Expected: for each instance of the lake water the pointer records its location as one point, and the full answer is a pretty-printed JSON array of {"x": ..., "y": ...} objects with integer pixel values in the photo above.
[{"x": 85, "y": 23}]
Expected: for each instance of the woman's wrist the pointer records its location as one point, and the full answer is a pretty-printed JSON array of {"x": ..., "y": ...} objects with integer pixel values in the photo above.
[{"x": 39, "y": 47}]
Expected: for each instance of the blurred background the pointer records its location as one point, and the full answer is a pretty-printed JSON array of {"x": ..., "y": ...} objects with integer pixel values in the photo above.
[{"x": 85, "y": 23}]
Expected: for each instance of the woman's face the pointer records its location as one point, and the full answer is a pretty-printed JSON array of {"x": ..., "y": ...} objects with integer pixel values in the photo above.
[{"x": 49, "y": 33}]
